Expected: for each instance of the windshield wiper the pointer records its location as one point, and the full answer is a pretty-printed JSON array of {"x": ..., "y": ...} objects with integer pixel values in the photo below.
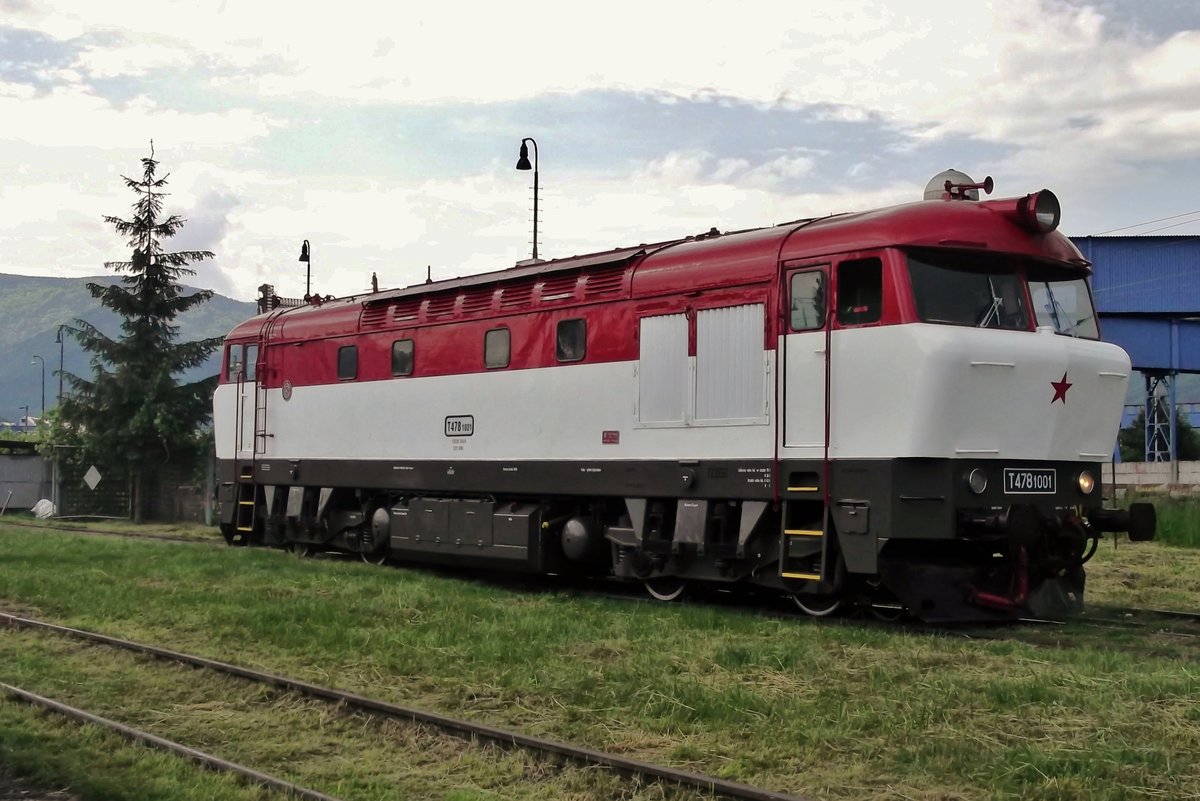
[{"x": 994, "y": 309}]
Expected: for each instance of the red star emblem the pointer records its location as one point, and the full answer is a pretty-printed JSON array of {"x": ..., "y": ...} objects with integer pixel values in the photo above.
[{"x": 1060, "y": 389}]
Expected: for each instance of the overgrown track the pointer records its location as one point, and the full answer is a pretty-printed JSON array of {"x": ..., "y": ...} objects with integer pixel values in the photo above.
[
  {"x": 100, "y": 533},
  {"x": 206, "y": 760},
  {"x": 644, "y": 771}
]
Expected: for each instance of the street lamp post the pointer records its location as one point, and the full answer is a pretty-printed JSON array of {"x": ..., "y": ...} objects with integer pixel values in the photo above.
[
  {"x": 304, "y": 257},
  {"x": 43, "y": 363},
  {"x": 61, "y": 345},
  {"x": 523, "y": 164}
]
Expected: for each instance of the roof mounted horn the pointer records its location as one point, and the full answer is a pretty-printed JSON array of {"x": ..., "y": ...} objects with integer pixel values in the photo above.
[{"x": 955, "y": 185}]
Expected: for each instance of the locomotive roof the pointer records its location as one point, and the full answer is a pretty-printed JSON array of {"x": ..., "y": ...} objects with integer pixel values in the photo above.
[{"x": 739, "y": 257}]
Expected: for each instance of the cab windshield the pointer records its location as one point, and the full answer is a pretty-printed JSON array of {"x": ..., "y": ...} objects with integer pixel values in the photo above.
[
  {"x": 1066, "y": 305},
  {"x": 988, "y": 291},
  {"x": 956, "y": 289}
]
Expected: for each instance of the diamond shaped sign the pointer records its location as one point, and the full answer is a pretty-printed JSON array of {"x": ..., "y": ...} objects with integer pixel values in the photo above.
[{"x": 91, "y": 477}]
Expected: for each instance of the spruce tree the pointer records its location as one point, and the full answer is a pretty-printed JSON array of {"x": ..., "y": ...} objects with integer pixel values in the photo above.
[{"x": 133, "y": 412}]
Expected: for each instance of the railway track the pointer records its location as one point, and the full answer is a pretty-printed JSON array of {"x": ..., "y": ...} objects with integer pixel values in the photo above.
[
  {"x": 546, "y": 748},
  {"x": 202, "y": 758}
]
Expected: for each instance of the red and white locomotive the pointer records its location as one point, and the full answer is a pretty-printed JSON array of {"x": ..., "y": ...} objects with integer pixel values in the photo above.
[{"x": 905, "y": 408}]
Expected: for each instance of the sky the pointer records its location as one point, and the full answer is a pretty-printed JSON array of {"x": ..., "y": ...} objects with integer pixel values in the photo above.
[{"x": 387, "y": 136}]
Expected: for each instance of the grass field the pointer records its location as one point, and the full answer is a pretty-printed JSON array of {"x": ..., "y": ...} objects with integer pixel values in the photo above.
[
  {"x": 824, "y": 711},
  {"x": 1178, "y": 518}
]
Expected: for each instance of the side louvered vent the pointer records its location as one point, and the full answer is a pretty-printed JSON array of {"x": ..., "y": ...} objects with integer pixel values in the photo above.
[
  {"x": 604, "y": 282},
  {"x": 516, "y": 295},
  {"x": 373, "y": 315},
  {"x": 559, "y": 286},
  {"x": 478, "y": 300},
  {"x": 440, "y": 305},
  {"x": 406, "y": 309}
]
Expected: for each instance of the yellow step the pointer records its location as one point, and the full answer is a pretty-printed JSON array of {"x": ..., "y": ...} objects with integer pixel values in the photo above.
[
  {"x": 806, "y": 576},
  {"x": 803, "y": 532}
]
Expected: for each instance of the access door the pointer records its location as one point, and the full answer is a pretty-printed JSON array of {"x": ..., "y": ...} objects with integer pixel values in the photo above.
[{"x": 804, "y": 348}]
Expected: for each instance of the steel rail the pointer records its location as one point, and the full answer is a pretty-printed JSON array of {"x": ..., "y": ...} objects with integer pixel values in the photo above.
[
  {"x": 462, "y": 728},
  {"x": 137, "y": 735}
]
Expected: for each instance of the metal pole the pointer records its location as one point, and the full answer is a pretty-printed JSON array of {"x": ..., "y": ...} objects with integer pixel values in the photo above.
[
  {"x": 61, "y": 348},
  {"x": 523, "y": 164},
  {"x": 43, "y": 363},
  {"x": 535, "y": 198}
]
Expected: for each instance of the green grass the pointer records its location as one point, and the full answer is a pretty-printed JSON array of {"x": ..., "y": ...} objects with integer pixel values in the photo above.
[
  {"x": 831, "y": 712},
  {"x": 1178, "y": 520}
]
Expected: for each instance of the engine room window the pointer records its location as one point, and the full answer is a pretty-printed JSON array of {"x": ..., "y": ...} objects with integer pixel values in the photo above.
[
  {"x": 963, "y": 289},
  {"x": 808, "y": 301},
  {"x": 570, "y": 341},
  {"x": 402, "y": 357},
  {"x": 1066, "y": 305},
  {"x": 233, "y": 362},
  {"x": 496, "y": 348},
  {"x": 347, "y": 365},
  {"x": 860, "y": 291}
]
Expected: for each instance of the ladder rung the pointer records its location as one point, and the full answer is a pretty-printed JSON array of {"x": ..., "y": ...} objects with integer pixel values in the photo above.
[
  {"x": 803, "y": 532},
  {"x": 245, "y": 528},
  {"x": 806, "y": 576},
  {"x": 245, "y": 503},
  {"x": 803, "y": 489}
]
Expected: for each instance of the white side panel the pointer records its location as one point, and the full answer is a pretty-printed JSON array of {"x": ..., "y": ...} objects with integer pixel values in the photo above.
[
  {"x": 730, "y": 379},
  {"x": 955, "y": 392},
  {"x": 663, "y": 369},
  {"x": 551, "y": 413}
]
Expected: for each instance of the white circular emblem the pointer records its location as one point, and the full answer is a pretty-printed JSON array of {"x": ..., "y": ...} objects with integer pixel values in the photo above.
[{"x": 287, "y": 390}]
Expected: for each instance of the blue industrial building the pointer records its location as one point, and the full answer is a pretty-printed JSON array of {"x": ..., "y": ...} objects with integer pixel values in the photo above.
[{"x": 1147, "y": 293}]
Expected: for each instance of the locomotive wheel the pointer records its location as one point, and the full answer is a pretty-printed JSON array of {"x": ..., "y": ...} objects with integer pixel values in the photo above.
[
  {"x": 375, "y": 557},
  {"x": 665, "y": 588},
  {"x": 817, "y": 605},
  {"x": 889, "y": 613},
  {"x": 302, "y": 550}
]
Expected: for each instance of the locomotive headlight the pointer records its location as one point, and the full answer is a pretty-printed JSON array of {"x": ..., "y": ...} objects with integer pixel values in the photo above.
[
  {"x": 1086, "y": 483},
  {"x": 1040, "y": 211},
  {"x": 977, "y": 481}
]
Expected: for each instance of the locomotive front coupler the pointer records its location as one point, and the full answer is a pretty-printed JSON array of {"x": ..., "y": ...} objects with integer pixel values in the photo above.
[
  {"x": 1140, "y": 520},
  {"x": 1020, "y": 524}
]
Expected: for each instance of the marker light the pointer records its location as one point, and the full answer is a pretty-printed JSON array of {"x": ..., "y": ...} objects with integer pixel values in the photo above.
[
  {"x": 1040, "y": 211},
  {"x": 977, "y": 481},
  {"x": 1086, "y": 483}
]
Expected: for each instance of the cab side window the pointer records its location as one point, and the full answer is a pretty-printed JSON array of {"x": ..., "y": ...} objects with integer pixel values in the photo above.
[
  {"x": 860, "y": 291},
  {"x": 808, "y": 300},
  {"x": 233, "y": 363}
]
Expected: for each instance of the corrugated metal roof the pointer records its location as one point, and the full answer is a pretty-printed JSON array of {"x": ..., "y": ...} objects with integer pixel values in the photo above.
[{"x": 1144, "y": 274}]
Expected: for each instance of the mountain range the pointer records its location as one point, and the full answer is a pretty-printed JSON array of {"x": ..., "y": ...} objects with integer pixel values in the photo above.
[{"x": 31, "y": 310}]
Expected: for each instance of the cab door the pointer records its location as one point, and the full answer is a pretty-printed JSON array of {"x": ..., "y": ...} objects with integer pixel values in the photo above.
[{"x": 805, "y": 343}]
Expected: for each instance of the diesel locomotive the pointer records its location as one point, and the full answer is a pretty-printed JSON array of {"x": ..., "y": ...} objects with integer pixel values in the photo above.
[{"x": 905, "y": 409}]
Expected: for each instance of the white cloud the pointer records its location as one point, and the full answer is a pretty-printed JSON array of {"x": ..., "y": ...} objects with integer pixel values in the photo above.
[{"x": 72, "y": 117}]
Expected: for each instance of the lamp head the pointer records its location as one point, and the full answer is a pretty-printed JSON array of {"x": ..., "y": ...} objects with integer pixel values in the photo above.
[
  {"x": 304, "y": 251},
  {"x": 523, "y": 161}
]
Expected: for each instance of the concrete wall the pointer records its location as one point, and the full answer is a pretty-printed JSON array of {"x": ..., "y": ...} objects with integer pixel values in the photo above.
[
  {"x": 1152, "y": 474},
  {"x": 27, "y": 477}
]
